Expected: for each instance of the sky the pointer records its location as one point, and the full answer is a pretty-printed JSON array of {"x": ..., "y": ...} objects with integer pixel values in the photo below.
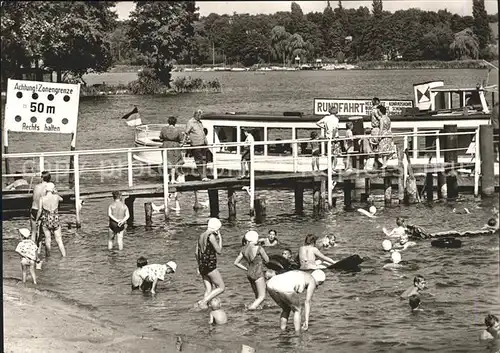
[{"x": 461, "y": 7}]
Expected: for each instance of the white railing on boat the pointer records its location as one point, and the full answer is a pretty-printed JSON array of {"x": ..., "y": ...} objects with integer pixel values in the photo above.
[{"x": 78, "y": 170}]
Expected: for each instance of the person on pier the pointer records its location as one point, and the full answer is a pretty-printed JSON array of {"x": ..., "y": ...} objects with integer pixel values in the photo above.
[
  {"x": 375, "y": 114},
  {"x": 209, "y": 244},
  {"x": 245, "y": 156},
  {"x": 38, "y": 192},
  {"x": 48, "y": 216},
  {"x": 172, "y": 137},
  {"x": 118, "y": 214},
  {"x": 330, "y": 125},
  {"x": 255, "y": 255}
]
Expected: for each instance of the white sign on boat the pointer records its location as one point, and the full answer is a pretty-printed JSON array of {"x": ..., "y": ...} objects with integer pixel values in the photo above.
[
  {"x": 352, "y": 107},
  {"x": 34, "y": 106}
]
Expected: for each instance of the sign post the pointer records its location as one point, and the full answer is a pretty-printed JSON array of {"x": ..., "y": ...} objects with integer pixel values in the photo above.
[{"x": 35, "y": 107}]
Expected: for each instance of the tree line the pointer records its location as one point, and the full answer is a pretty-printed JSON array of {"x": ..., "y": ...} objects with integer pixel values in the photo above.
[{"x": 78, "y": 37}]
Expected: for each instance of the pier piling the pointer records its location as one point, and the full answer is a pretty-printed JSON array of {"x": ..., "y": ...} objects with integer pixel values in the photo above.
[
  {"x": 197, "y": 205},
  {"x": 318, "y": 203},
  {"x": 299, "y": 198},
  {"x": 148, "y": 213},
  {"x": 487, "y": 156},
  {"x": 260, "y": 210},
  {"x": 129, "y": 202},
  {"x": 441, "y": 187},
  {"x": 231, "y": 204},
  {"x": 451, "y": 158},
  {"x": 348, "y": 186},
  {"x": 366, "y": 195},
  {"x": 213, "y": 197}
]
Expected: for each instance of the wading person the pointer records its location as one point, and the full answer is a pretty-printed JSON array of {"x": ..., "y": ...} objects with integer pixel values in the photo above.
[
  {"x": 29, "y": 256},
  {"x": 308, "y": 253},
  {"x": 48, "y": 216},
  {"x": 172, "y": 137},
  {"x": 286, "y": 290},
  {"x": 151, "y": 274},
  {"x": 255, "y": 256},
  {"x": 38, "y": 192},
  {"x": 194, "y": 131},
  {"x": 118, "y": 214},
  {"x": 209, "y": 244}
]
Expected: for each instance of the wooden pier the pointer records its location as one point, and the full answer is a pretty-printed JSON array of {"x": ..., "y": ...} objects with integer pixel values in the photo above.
[{"x": 319, "y": 184}]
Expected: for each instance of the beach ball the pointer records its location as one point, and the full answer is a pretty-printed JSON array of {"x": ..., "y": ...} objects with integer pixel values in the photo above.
[{"x": 387, "y": 245}]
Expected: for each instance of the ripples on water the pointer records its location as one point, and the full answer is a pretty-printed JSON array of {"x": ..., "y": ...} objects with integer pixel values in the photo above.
[{"x": 351, "y": 312}]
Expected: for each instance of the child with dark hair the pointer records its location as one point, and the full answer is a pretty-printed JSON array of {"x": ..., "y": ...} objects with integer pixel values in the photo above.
[
  {"x": 414, "y": 301},
  {"x": 308, "y": 253},
  {"x": 118, "y": 214},
  {"x": 136, "y": 279},
  {"x": 492, "y": 331},
  {"x": 315, "y": 150},
  {"x": 271, "y": 239}
]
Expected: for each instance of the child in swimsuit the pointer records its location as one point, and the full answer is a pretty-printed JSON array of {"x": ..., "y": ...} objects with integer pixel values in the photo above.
[
  {"x": 308, "y": 253},
  {"x": 397, "y": 232},
  {"x": 136, "y": 278},
  {"x": 418, "y": 286},
  {"x": 271, "y": 239},
  {"x": 254, "y": 255},
  {"x": 29, "y": 255}
]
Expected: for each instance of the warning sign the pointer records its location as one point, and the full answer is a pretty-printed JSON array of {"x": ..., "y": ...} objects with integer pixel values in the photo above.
[
  {"x": 41, "y": 106},
  {"x": 352, "y": 107}
]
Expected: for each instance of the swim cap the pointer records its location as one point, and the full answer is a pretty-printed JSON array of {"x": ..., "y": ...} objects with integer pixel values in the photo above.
[
  {"x": 214, "y": 224},
  {"x": 319, "y": 276},
  {"x": 396, "y": 257},
  {"x": 387, "y": 245},
  {"x": 25, "y": 232},
  {"x": 373, "y": 209},
  {"x": 172, "y": 265},
  {"x": 252, "y": 236}
]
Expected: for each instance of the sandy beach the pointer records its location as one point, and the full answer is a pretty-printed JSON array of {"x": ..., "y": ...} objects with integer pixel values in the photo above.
[{"x": 34, "y": 322}]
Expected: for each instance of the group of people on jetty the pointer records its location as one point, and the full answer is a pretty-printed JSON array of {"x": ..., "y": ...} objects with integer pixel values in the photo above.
[{"x": 291, "y": 281}]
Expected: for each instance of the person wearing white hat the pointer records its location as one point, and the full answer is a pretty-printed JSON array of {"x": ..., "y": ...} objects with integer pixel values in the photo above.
[
  {"x": 254, "y": 254},
  {"x": 151, "y": 274},
  {"x": 48, "y": 216},
  {"x": 395, "y": 264},
  {"x": 209, "y": 244},
  {"x": 286, "y": 289},
  {"x": 29, "y": 254}
]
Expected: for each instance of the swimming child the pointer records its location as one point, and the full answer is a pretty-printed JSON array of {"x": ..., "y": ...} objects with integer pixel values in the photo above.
[
  {"x": 136, "y": 279},
  {"x": 217, "y": 315},
  {"x": 287, "y": 254},
  {"x": 151, "y": 274},
  {"x": 492, "y": 331},
  {"x": 418, "y": 286},
  {"x": 397, "y": 232},
  {"x": 118, "y": 214},
  {"x": 414, "y": 301},
  {"x": 404, "y": 243},
  {"x": 271, "y": 239},
  {"x": 308, "y": 253},
  {"x": 395, "y": 264},
  {"x": 29, "y": 255},
  {"x": 315, "y": 150}
]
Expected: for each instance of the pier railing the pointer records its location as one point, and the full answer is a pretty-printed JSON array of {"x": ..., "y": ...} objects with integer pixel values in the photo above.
[{"x": 81, "y": 168}]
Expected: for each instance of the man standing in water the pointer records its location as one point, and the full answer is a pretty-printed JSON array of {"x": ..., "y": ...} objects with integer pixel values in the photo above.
[
  {"x": 194, "y": 131},
  {"x": 38, "y": 193},
  {"x": 118, "y": 215},
  {"x": 286, "y": 289}
]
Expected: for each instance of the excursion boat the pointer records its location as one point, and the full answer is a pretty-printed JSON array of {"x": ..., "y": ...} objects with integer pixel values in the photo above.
[{"x": 435, "y": 106}]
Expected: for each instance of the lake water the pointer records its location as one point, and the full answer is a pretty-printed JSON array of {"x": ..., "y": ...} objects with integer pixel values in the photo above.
[{"x": 352, "y": 312}]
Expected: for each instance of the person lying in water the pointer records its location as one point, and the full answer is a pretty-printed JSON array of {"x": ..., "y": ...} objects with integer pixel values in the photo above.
[
  {"x": 308, "y": 253},
  {"x": 404, "y": 243},
  {"x": 329, "y": 241},
  {"x": 417, "y": 288},
  {"x": 493, "y": 223},
  {"x": 287, "y": 254},
  {"x": 395, "y": 264},
  {"x": 286, "y": 290}
]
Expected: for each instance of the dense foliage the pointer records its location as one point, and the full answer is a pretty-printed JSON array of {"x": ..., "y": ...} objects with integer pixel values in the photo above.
[{"x": 338, "y": 34}]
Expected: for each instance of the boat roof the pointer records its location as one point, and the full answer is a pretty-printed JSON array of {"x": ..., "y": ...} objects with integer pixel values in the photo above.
[
  {"x": 454, "y": 89},
  {"x": 286, "y": 117}
]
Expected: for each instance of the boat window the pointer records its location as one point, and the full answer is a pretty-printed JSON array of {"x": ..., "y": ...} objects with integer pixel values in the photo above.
[
  {"x": 279, "y": 134},
  {"x": 258, "y": 135},
  {"x": 226, "y": 134}
]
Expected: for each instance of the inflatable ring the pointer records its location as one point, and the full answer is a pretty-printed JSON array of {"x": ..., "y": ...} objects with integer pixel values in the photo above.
[
  {"x": 350, "y": 263},
  {"x": 452, "y": 243},
  {"x": 278, "y": 263}
]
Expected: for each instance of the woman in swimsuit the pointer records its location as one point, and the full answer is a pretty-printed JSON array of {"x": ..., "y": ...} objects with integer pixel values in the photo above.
[
  {"x": 48, "y": 216},
  {"x": 254, "y": 254},
  {"x": 207, "y": 248},
  {"x": 308, "y": 253}
]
